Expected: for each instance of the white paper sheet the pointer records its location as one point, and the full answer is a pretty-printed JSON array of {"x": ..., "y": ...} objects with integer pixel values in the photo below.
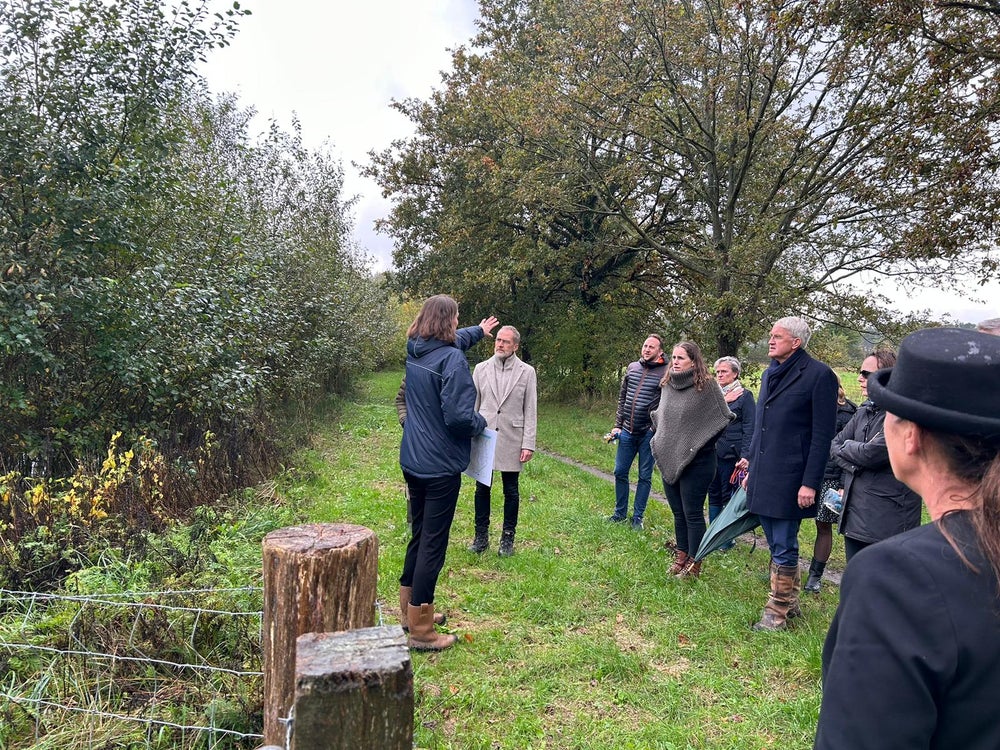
[{"x": 481, "y": 462}]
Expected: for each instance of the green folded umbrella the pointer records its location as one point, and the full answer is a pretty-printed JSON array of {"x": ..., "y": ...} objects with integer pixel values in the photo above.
[{"x": 735, "y": 519}]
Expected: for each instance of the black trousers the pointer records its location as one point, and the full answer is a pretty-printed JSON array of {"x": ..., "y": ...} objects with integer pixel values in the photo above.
[
  {"x": 687, "y": 500},
  {"x": 720, "y": 490},
  {"x": 432, "y": 504},
  {"x": 511, "y": 502},
  {"x": 854, "y": 546}
]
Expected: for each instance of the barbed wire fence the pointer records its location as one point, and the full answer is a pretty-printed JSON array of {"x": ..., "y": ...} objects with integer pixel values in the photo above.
[{"x": 149, "y": 669}]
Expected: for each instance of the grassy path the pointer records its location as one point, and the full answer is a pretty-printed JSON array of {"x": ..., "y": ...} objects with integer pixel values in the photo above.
[
  {"x": 831, "y": 575},
  {"x": 579, "y": 640}
]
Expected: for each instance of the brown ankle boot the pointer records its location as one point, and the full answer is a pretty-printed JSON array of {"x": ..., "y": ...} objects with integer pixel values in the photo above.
[
  {"x": 775, "y": 614},
  {"x": 405, "y": 594},
  {"x": 423, "y": 636},
  {"x": 691, "y": 570},
  {"x": 680, "y": 561}
]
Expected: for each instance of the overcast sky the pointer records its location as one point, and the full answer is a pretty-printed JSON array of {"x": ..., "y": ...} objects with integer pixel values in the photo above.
[{"x": 337, "y": 66}]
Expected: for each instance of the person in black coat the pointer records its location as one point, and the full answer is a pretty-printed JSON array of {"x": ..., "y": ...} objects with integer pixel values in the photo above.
[
  {"x": 734, "y": 443},
  {"x": 912, "y": 658},
  {"x": 794, "y": 425},
  {"x": 876, "y": 504},
  {"x": 441, "y": 420},
  {"x": 826, "y": 516}
]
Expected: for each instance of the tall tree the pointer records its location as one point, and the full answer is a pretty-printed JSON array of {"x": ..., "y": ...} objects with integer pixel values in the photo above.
[{"x": 733, "y": 162}]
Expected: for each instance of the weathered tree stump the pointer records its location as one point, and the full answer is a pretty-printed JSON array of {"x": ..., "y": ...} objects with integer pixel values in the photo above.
[
  {"x": 317, "y": 578},
  {"x": 353, "y": 691}
]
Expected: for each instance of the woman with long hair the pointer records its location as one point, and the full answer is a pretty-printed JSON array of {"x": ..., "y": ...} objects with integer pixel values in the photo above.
[
  {"x": 912, "y": 658},
  {"x": 689, "y": 419},
  {"x": 441, "y": 420}
]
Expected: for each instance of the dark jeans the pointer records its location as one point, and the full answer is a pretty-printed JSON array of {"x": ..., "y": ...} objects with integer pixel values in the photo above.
[
  {"x": 629, "y": 446},
  {"x": 782, "y": 538},
  {"x": 687, "y": 500},
  {"x": 854, "y": 546},
  {"x": 432, "y": 502},
  {"x": 720, "y": 490},
  {"x": 511, "y": 502}
]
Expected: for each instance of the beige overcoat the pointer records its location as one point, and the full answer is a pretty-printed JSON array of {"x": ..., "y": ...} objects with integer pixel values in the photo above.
[{"x": 513, "y": 414}]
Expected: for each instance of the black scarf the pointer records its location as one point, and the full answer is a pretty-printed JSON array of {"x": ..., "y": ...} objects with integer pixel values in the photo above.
[{"x": 778, "y": 370}]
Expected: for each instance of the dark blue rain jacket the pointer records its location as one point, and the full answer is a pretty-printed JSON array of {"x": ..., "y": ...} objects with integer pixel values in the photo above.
[{"x": 441, "y": 411}]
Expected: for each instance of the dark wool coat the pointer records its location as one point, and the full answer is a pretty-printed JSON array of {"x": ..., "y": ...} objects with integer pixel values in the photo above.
[
  {"x": 441, "y": 416},
  {"x": 791, "y": 438},
  {"x": 912, "y": 659},
  {"x": 735, "y": 441}
]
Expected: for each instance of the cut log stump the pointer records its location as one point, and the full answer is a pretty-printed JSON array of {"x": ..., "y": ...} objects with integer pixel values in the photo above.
[
  {"x": 318, "y": 578},
  {"x": 353, "y": 691}
]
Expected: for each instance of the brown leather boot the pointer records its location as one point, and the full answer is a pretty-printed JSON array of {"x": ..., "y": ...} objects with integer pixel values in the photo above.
[
  {"x": 691, "y": 570},
  {"x": 405, "y": 594},
  {"x": 680, "y": 561},
  {"x": 794, "y": 610},
  {"x": 775, "y": 614},
  {"x": 423, "y": 636}
]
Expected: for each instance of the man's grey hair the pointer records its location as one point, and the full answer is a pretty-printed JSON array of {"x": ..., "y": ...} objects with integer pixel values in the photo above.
[
  {"x": 797, "y": 327},
  {"x": 991, "y": 326},
  {"x": 732, "y": 362},
  {"x": 515, "y": 334}
]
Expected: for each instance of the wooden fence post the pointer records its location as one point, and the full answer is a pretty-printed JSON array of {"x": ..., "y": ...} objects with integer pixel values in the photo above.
[
  {"x": 353, "y": 691},
  {"x": 317, "y": 578}
]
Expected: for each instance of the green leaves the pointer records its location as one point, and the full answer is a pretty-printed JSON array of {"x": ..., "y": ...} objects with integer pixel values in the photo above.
[
  {"x": 710, "y": 166},
  {"x": 162, "y": 270}
]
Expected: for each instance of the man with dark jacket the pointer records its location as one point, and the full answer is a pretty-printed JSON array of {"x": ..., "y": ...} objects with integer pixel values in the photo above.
[
  {"x": 639, "y": 395},
  {"x": 793, "y": 427}
]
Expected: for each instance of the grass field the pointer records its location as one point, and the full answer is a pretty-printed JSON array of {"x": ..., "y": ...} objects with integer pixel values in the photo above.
[{"x": 580, "y": 640}]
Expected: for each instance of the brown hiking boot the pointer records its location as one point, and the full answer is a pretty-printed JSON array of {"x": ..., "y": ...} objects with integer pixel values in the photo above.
[
  {"x": 680, "y": 562},
  {"x": 691, "y": 570},
  {"x": 423, "y": 636},
  {"x": 405, "y": 594},
  {"x": 776, "y": 611}
]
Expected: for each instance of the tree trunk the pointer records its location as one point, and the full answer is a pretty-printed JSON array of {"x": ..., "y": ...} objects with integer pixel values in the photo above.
[
  {"x": 317, "y": 578},
  {"x": 353, "y": 691}
]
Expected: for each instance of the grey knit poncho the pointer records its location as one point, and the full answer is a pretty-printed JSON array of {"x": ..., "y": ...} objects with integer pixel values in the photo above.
[{"x": 685, "y": 421}]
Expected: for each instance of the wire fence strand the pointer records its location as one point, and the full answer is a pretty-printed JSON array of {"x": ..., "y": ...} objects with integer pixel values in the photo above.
[
  {"x": 126, "y": 717},
  {"x": 131, "y": 650}
]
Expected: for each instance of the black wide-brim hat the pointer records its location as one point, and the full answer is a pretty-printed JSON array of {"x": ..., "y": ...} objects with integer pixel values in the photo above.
[{"x": 945, "y": 379}]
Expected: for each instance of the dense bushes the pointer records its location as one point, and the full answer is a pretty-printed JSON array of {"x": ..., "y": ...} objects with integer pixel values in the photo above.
[{"x": 169, "y": 282}]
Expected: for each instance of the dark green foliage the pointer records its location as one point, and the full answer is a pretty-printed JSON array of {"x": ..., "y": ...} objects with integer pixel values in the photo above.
[
  {"x": 165, "y": 273},
  {"x": 705, "y": 168}
]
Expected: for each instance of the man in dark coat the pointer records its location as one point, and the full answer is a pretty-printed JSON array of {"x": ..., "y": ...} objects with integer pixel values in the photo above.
[{"x": 794, "y": 424}]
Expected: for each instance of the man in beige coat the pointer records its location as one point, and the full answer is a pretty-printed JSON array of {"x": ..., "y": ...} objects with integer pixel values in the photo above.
[{"x": 506, "y": 396}]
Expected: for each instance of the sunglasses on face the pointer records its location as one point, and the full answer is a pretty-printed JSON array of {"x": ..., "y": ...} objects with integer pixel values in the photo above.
[{"x": 864, "y": 373}]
